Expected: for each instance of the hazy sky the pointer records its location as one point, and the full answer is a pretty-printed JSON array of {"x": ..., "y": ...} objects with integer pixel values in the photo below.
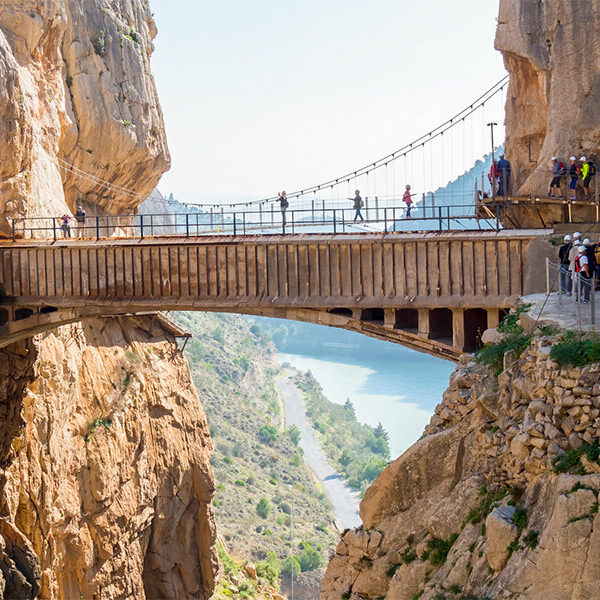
[{"x": 260, "y": 95}]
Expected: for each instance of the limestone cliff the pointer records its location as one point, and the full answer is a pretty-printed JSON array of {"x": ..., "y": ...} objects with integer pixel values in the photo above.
[
  {"x": 109, "y": 485},
  {"x": 551, "y": 50},
  {"x": 479, "y": 506},
  {"x": 76, "y": 87}
]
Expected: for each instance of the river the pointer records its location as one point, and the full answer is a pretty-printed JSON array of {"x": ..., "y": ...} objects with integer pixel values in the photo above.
[{"x": 386, "y": 382}]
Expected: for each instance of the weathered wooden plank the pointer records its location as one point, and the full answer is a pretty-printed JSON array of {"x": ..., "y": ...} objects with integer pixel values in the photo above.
[
  {"x": 433, "y": 270},
  {"x": 503, "y": 263},
  {"x": 410, "y": 262},
  {"x": 261, "y": 271},
  {"x": 324, "y": 270},
  {"x": 399, "y": 271},
  {"x": 445, "y": 277},
  {"x": 251, "y": 274},
  {"x": 479, "y": 267},
  {"x": 212, "y": 271},
  {"x": 388, "y": 270},
  {"x": 356, "y": 266},
  {"x": 292, "y": 270},
  {"x": 366, "y": 267},
  {"x": 377, "y": 250},
  {"x": 346, "y": 269},
  {"x": 128, "y": 273},
  {"x": 516, "y": 273},
  {"x": 119, "y": 272},
  {"x": 313, "y": 270},
  {"x": 468, "y": 268},
  {"x": 272, "y": 271},
  {"x": 282, "y": 283},
  {"x": 75, "y": 272},
  {"x": 303, "y": 271},
  {"x": 335, "y": 271}
]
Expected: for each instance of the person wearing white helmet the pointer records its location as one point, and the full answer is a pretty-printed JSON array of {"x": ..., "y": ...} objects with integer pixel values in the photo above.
[
  {"x": 589, "y": 252},
  {"x": 565, "y": 271},
  {"x": 407, "y": 198},
  {"x": 588, "y": 170},
  {"x": 574, "y": 175},
  {"x": 558, "y": 170},
  {"x": 582, "y": 268},
  {"x": 576, "y": 241}
]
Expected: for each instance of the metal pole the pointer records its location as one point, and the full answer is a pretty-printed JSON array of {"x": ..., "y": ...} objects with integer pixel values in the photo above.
[
  {"x": 312, "y": 207},
  {"x": 187, "y": 224},
  {"x": 440, "y": 218},
  {"x": 97, "y": 228},
  {"x": 376, "y": 208},
  {"x": 385, "y": 219},
  {"x": 491, "y": 126},
  {"x": 334, "y": 224},
  {"x": 234, "y": 225},
  {"x": 547, "y": 276},
  {"x": 244, "y": 221},
  {"x": 54, "y": 228},
  {"x": 13, "y": 230},
  {"x": 593, "y": 299},
  {"x": 142, "y": 226}
]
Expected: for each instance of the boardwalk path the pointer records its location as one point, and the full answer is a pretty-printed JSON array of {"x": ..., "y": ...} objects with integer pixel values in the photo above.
[{"x": 344, "y": 500}]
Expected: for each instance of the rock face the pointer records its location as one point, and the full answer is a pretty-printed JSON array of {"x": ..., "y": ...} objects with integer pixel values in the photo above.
[
  {"x": 477, "y": 504},
  {"x": 551, "y": 50},
  {"x": 110, "y": 487},
  {"x": 77, "y": 90}
]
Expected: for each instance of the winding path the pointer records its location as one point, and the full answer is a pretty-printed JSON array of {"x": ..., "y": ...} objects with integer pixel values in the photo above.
[{"x": 345, "y": 501}]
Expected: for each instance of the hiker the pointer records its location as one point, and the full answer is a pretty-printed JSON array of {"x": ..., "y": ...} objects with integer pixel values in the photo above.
[
  {"x": 283, "y": 203},
  {"x": 583, "y": 273},
  {"x": 407, "y": 198},
  {"x": 588, "y": 170},
  {"x": 358, "y": 204},
  {"x": 575, "y": 243},
  {"x": 558, "y": 170},
  {"x": 597, "y": 259},
  {"x": 565, "y": 272},
  {"x": 589, "y": 252},
  {"x": 66, "y": 225},
  {"x": 494, "y": 177},
  {"x": 574, "y": 175},
  {"x": 80, "y": 218},
  {"x": 504, "y": 171}
]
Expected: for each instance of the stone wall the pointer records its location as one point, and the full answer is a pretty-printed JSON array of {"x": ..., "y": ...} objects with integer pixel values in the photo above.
[{"x": 480, "y": 484}]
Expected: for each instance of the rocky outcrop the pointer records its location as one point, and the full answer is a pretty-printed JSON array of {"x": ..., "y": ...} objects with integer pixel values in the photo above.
[
  {"x": 110, "y": 486},
  {"x": 479, "y": 505},
  {"x": 77, "y": 90},
  {"x": 551, "y": 50}
]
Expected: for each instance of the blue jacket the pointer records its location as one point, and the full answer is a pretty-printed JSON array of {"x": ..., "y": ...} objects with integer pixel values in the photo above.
[{"x": 504, "y": 166}]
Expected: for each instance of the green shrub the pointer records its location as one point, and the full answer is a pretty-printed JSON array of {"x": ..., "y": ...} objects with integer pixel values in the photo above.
[
  {"x": 392, "y": 569},
  {"x": 309, "y": 559},
  {"x": 290, "y": 566},
  {"x": 493, "y": 354},
  {"x": 520, "y": 518},
  {"x": 513, "y": 547},
  {"x": 263, "y": 508},
  {"x": 100, "y": 43},
  {"x": 294, "y": 434},
  {"x": 439, "y": 548},
  {"x": 489, "y": 499},
  {"x": 570, "y": 462},
  {"x": 531, "y": 539},
  {"x": 576, "y": 350},
  {"x": 267, "y": 434}
]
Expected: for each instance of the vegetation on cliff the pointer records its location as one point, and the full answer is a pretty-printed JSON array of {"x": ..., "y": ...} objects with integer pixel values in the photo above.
[{"x": 258, "y": 466}]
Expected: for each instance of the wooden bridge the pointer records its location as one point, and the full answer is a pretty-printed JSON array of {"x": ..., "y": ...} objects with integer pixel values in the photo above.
[{"x": 435, "y": 292}]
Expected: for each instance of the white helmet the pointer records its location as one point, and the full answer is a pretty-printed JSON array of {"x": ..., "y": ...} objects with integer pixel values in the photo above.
[
  {"x": 573, "y": 158},
  {"x": 586, "y": 242},
  {"x": 581, "y": 249},
  {"x": 577, "y": 235},
  {"x": 568, "y": 238},
  {"x": 553, "y": 158},
  {"x": 583, "y": 158}
]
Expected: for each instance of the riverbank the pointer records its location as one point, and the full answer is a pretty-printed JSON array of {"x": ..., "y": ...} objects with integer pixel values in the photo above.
[{"x": 345, "y": 501}]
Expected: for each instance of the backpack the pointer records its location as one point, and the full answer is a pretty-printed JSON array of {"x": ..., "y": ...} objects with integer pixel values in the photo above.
[
  {"x": 597, "y": 254},
  {"x": 562, "y": 169},
  {"x": 362, "y": 203},
  {"x": 592, "y": 170}
]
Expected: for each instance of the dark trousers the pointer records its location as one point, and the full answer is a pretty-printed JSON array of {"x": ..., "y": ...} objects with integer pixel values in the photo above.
[
  {"x": 566, "y": 284},
  {"x": 504, "y": 184},
  {"x": 584, "y": 287},
  {"x": 358, "y": 214}
]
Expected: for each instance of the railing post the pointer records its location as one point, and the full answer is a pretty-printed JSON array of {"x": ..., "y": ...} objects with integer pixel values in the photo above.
[
  {"x": 376, "y": 208},
  {"x": 439, "y": 218},
  {"x": 593, "y": 298},
  {"x": 13, "y": 230},
  {"x": 54, "y": 228},
  {"x": 211, "y": 217},
  {"x": 187, "y": 224},
  {"x": 234, "y": 225},
  {"x": 244, "y": 221},
  {"x": 97, "y": 228},
  {"x": 385, "y": 219},
  {"x": 424, "y": 207},
  {"x": 312, "y": 207},
  {"x": 497, "y": 218},
  {"x": 432, "y": 204},
  {"x": 334, "y": 224},
  {"x": 142, "y": 226},
  {"x": 547, "y": 276}
]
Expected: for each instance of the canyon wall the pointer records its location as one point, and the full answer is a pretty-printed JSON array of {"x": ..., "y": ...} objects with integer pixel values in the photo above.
[
  {"x": 77, "y": 90},
  {"x": 551, "y": 49},
  {"x": 479, "y": 506}
]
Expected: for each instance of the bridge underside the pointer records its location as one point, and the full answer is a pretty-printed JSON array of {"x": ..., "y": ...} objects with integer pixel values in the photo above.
[
  {"x": 441, "y": 332},
  {"x": 434, "y": 292}
]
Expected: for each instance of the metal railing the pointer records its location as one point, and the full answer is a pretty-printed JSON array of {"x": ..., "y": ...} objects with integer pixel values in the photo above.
[
  {"x": 272, "y": 221},
  {"x": 576, "y": 292}
]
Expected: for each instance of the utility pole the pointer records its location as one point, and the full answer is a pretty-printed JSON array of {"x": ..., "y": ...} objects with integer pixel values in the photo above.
[
  {"x": 491, "y": 126},
  {"x": 292, "y": 541}
]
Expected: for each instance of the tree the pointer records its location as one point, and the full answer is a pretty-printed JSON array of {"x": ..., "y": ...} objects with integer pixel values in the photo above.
[
  {"x": 267, "y": 434},
  {"x": 371, "y": 468},
  {"x": 263, "y": 508},
  {"x": 378, "y": 445},
  {"x": 294, "y": 434},
  {"x": 309, "y": 559},
  {"x": 270, "y": 567},
  {"x": 346, "y": 458},
  {"x": 380, "y": 432},
  {"x": 290, "y": 565},
  {"x": 349, "y": 406}
]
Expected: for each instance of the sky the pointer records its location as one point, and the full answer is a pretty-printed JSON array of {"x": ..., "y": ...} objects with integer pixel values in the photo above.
[{"x": 262, "y": 95}]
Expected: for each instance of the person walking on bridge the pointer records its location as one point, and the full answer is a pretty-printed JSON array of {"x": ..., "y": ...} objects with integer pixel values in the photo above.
[
  {"x": 588, "y": 170},
  {"x": 565, "y": 263},
  {"x": 80, "y": 218},
  {"x": 574, "y": 175},
  {"x": 358, "y": 204},
  {"x": 504, "y": 170},
  {"x": 407, "y": 198},
  {"x": 283, "y": 204},
  {"x": 66, "y": 225},
  {"x": 558, "y": 170},
  {"x": 494, "y": 177}
]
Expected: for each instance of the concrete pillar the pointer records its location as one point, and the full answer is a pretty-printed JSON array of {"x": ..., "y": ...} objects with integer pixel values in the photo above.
[
  {"x": 492, "y": 317},
  {"x": 389, "y": 319},
  {"x": 458, "y": 328},
  {"x": 424, "y": 322}
]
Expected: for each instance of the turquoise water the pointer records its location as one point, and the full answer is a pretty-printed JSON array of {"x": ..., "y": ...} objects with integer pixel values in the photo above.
[{"x": 385, "y": 382}]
